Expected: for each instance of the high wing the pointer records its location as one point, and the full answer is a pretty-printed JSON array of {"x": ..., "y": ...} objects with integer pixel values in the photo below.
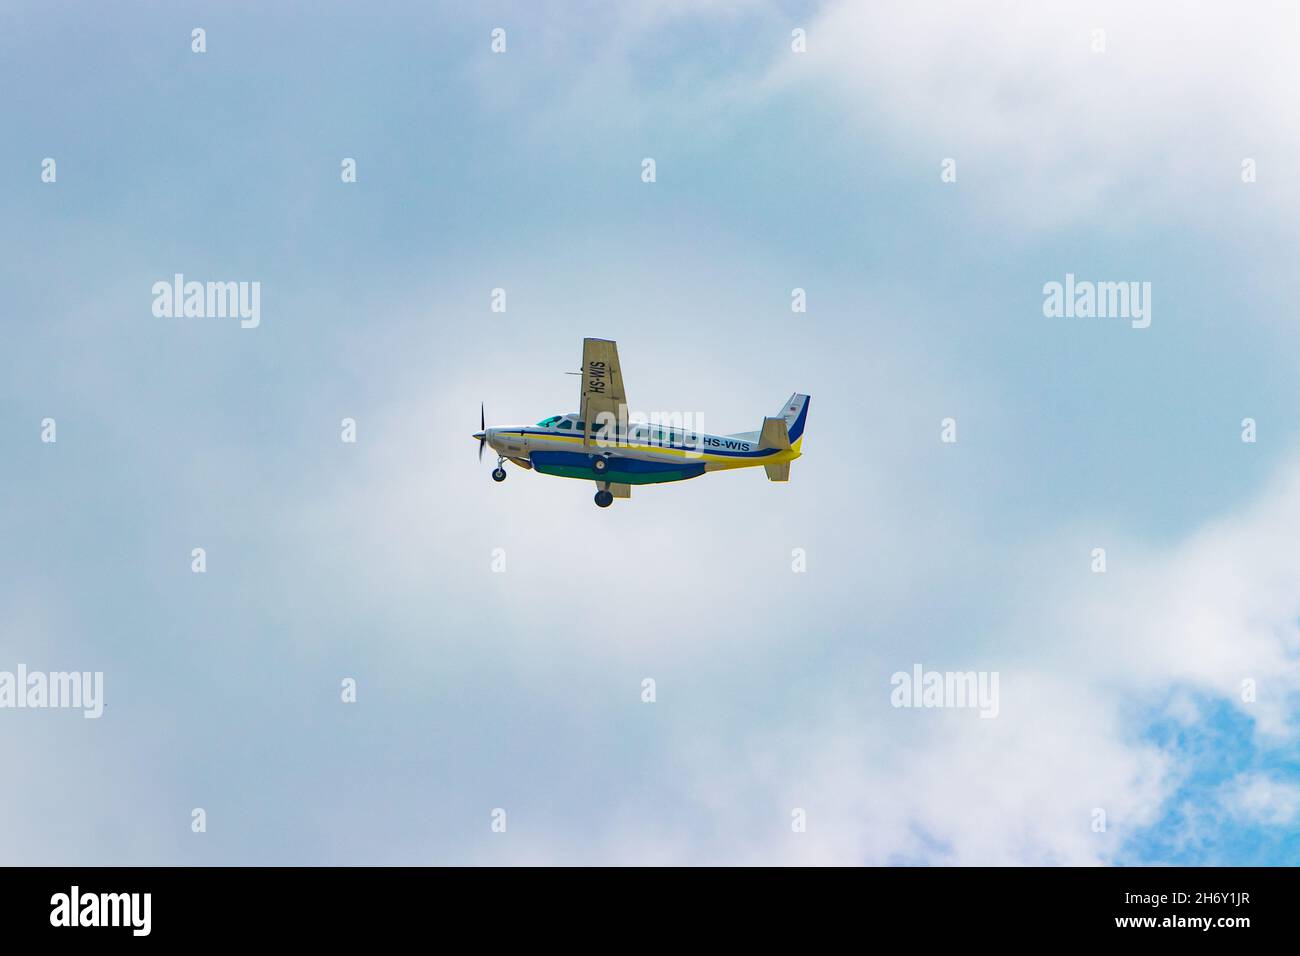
[{"x": 602, "y": 385}]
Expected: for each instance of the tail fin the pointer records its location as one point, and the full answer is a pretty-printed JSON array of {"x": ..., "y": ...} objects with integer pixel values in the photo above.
[{"x": 795, "y": 414}]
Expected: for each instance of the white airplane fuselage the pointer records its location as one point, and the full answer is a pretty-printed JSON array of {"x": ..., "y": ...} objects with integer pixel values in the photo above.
[{"x": 639, "y": 453}]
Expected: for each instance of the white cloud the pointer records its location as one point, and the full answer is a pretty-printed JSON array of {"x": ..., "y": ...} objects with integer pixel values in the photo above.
[
  {"x": 1096, "y": 655},
  {"x": 1256, "y": 798},
  {"x": 1047, "y": 132}
]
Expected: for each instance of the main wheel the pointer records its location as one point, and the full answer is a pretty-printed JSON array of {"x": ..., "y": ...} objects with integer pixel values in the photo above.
[
  {"x": 498, "y": 474},
  {"x": 600, "y": 465},
  {"x": 604, "y": 499}
]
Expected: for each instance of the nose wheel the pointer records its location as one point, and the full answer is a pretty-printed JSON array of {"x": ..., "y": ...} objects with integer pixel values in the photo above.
[
  {"x": 604, "y": 499},
  {"x": 499, "y": 473}
]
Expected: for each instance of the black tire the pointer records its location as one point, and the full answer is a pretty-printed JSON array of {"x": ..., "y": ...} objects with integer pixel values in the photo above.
[
  {"x": 604, "y": 499},
  {"x": 498, "y": 474},
  {"x": 600, "y": 465}
]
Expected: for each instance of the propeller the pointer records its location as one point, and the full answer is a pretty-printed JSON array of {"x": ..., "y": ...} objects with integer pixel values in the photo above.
[{"x": 482, "y": 434}]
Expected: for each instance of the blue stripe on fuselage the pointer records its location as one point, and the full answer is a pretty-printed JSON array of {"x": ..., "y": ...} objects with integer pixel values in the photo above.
[{"x": 703, "y": 448}]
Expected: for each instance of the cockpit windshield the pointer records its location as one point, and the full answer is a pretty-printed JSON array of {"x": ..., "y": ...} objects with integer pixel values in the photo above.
[{"x": 549, "y": 422}]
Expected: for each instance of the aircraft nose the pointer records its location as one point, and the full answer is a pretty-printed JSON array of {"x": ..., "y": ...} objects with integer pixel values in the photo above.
[{"x": 479, "y": 436}]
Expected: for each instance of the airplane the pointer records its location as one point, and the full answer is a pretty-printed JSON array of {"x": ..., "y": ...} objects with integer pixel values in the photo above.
[{"x": 599, "y": 444}]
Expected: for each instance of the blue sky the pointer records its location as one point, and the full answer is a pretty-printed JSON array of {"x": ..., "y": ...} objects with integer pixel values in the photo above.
[{"x": 521, "y": 690}]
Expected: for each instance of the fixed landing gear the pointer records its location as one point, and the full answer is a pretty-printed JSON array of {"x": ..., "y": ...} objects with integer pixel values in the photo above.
[
  {"x": 600, "y": 465},
  {"x": 604, "y": 499},
  {"x": 499, "y": 473}
]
